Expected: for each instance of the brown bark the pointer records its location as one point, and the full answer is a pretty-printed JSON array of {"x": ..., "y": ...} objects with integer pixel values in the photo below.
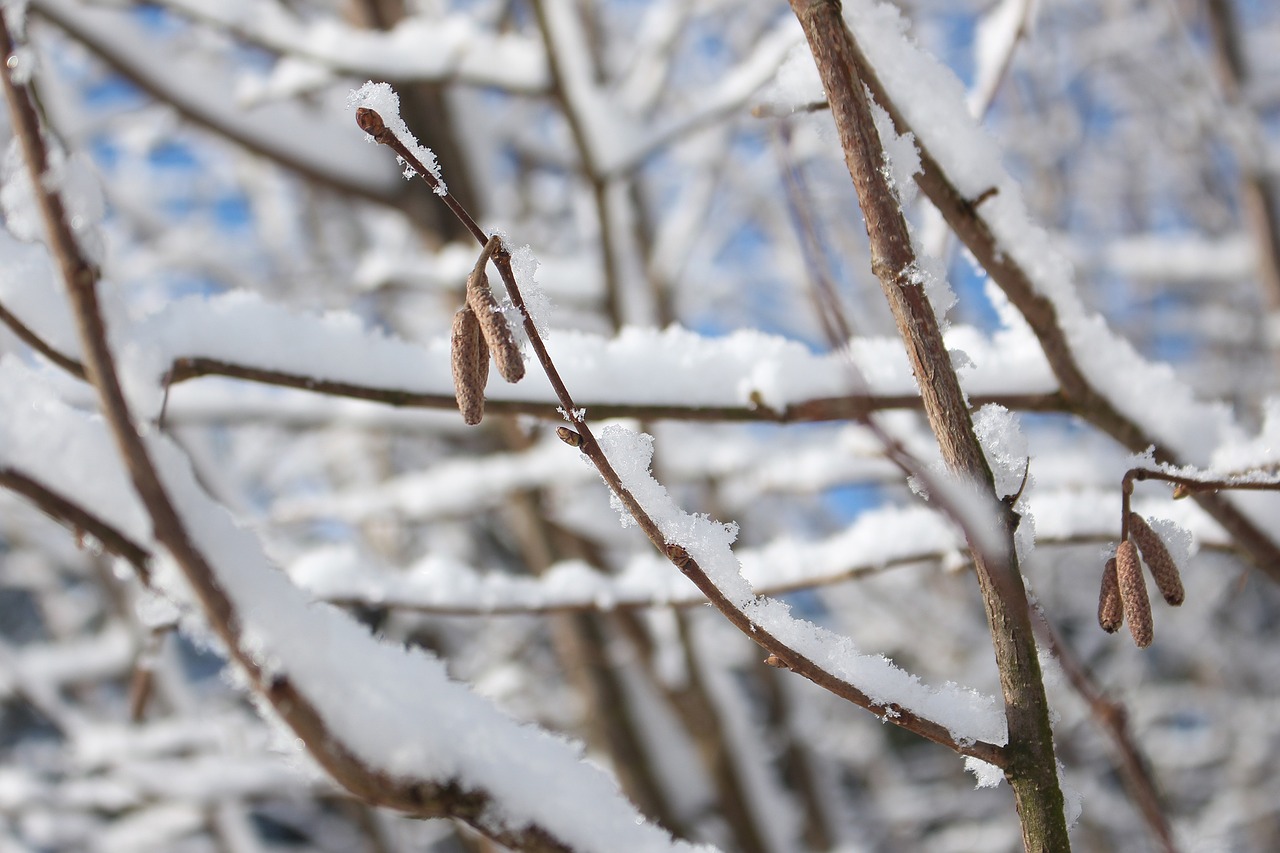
[{"x": 1031, "y": 768}]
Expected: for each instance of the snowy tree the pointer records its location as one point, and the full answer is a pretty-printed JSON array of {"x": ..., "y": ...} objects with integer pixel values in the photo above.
[{"x": 613, "y": 426}]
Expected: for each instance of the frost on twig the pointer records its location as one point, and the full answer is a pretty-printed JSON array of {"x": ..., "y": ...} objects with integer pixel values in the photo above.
[{"x": 378, "y": 110}]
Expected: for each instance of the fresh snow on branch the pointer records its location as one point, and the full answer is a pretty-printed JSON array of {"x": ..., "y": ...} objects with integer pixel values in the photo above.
[{"x": 395, "y": 709}]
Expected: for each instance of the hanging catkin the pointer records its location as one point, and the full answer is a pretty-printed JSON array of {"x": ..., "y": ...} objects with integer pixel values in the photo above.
[
  {"x": 470, "y": 358},
  {"x": 1110, "y": 611},
  {"x": 493, "y": 324},
  {"x": 1163, "y": 569},
  {"x": 1133, "y": 593}
]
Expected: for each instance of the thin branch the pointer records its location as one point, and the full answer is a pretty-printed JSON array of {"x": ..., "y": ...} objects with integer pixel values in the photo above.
[
  {"x": 372, "y": 123},
  {"x": 806, "y": 411},
  {"x": 1112, "y": 716},
  {"x": 39, "y": 344},
  {"x": 818, "y": 409},
  {"x": 80, "y": 520},
  {"x": 1186, "y": 486},
  {"x": 586, "y": 155}
]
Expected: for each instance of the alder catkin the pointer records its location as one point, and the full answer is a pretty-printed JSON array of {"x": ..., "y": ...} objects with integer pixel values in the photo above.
[
  {"x": 1110, "y": 611},
  {"x": 493, "y": 324},
  {"x": 1163, "y": 569},
  {"x": 1133, "y": 593},
  {"x": 470, "y": 359}
]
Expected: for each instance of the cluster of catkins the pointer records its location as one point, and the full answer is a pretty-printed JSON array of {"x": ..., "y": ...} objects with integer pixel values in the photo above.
[
  {"x": 480, "y": 329},
  {"x": 1124, "y": 590}
]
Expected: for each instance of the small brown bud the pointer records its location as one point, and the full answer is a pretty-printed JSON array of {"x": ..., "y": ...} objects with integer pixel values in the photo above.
[
  {"x": 371, "y": 123},
  {"x": 470, "y": 358},
  {"x": 1180, "y": 491},
  {"x": 1163, "y": 569},
  {"x": 1133, "y": 593},
  {"x": 569, "y": 437},
  {"x": 678, "y": 555},
  {"x": 776, "y": 662},
  {"x": 1110, "y": 611}
]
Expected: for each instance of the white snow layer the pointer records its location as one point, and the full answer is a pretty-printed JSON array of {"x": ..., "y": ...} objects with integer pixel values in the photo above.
[{"x": 394, "y": 708}]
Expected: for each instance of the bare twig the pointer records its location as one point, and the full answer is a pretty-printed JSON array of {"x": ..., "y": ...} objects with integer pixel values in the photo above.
[
  {"x": 73, "y": 515},
  {"x": 1112, "y": 716},
  {"x": 39, "y": 344}
]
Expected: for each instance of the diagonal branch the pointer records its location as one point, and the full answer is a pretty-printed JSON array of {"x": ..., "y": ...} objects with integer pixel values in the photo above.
[
  {"x": 427, "y": 798},
  {"x": 100, "y": 32},
  {"x": 583, "y": 437}
]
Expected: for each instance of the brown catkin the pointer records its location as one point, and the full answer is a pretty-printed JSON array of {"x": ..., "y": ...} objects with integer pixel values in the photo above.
[
  {"x": 470, "y": 358},
  {"x": 1163, "y": 569},
  {"x": 493, "y": 325},
  {"x": 1110, "y": 611},
  {"x": 1133, "y": 593}
]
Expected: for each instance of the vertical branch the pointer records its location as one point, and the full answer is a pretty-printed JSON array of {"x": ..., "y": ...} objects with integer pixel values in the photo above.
[
  {"x": 1032, "y": 769},
  {"x": 1261, "y": 214},
  {"x": 563, "y": 86}
]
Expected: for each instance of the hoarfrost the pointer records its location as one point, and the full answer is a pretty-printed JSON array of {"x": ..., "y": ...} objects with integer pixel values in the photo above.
[{"x": 1005, "y": 446}]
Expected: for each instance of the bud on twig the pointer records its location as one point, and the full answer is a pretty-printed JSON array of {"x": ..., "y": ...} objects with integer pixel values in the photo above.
[
  {"x": 371, "y": 123},
  {"x": 493, "y": 325},
  {"x": 470, "y": 357},
  {"x": 1163, "y": 569},
  {"x": 1133, "y": 593},
  {"x": 678, "y": 555},
  {"x": 1110, "y": 611},
  {"x": 569, "y": 437}
]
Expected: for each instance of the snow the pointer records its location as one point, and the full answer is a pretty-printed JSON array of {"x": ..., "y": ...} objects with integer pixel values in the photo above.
[
  {"x": 985, "y": 775},
  {"x": 408, "y": 720},
  {"x": 965, "y": 713},
  {"x": 1000, "y": 435},
  {"x": 877, "y": 539},
  {"x": 71, "y": 176},
  {"x": 21, "y": 64},
  {"x": 420, "y": 48},
  {"x": 21, "y": 215},
  {"x": 317, "y": 142},
  {"x": 27, "y": 290},
  {"x": 997, "y": 37}
]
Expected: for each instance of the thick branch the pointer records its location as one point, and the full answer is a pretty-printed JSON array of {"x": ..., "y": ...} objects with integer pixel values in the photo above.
[{"x": 1032, "y": 770}]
